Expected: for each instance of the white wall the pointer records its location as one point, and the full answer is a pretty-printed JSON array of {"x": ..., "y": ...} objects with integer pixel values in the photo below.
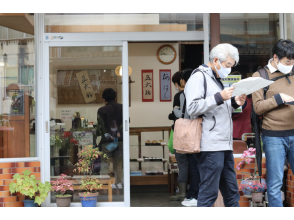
[{"x": 149, "y": 114}]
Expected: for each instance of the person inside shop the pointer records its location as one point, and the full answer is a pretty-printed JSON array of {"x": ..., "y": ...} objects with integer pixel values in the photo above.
[
  {"x": 182, "y": 164},
  {"x": 242, "y": 120},
  {"x": 194, "y": 177},
  {"x": 278, "y": 118},
  {"x": 109, "y": 129},
  {"x": 216, "y": 160},
  {"x": 176, "y": 79}
]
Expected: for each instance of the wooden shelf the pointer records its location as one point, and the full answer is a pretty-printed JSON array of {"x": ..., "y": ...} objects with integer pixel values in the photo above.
[{"x": 149, "y": 180}]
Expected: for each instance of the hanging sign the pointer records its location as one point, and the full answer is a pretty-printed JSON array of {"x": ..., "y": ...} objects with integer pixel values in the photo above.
[
  {"x": 147, "y": 86},
  {"x": 86, "y": 86},
  {"x": 165, "y": 85}
]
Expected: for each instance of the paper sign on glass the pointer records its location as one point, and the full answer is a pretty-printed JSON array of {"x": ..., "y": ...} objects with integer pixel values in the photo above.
[
  {"x": 250, "y": 85},
  {"x": 86, "y": 86}
]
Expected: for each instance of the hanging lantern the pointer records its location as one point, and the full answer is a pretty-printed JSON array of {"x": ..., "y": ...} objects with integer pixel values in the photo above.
[{"x": 118, "y": 70}]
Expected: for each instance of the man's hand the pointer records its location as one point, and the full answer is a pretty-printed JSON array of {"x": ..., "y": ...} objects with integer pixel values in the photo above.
[
  {"x": 227, "y": 93},
  {"x": 240, "y": 100},
  {"x": 286, "y": 98}
]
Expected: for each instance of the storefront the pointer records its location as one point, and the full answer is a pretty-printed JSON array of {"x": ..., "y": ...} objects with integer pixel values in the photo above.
[{"x": 49, "y": 111}]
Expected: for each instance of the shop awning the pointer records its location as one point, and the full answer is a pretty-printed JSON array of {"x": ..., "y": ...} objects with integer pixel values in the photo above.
[{"x": 22, "y": 22}]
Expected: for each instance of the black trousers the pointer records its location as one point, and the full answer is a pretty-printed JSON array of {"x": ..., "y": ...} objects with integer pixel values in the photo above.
[
  {"x": 217, "y": 172},
  {"x": 194, "y": 177}
]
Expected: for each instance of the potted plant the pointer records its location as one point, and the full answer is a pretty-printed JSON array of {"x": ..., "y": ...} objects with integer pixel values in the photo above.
[
  {"x": 89, "y": 184},
  {"x": 253, "y": 185},
  {"x": 27, "y": 185},
  {"x": 59, "y": 187}
]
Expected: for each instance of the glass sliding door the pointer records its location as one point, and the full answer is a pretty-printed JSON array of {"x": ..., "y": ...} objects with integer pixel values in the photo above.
[{"x": 86, "y": 111}]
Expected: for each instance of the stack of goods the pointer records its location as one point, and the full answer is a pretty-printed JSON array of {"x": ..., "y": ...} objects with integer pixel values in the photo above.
[
  {"x": 136, "y": 173},
  {"x": 154, "y": 172},
  {"x": 172, "y": 158},
  {"x": 155, "y": 143},
  {"x": 152, "y": 159}
]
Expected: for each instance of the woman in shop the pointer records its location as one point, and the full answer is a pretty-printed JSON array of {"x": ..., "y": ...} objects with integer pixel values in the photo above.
[
  {"x": 187, "y": 163},
  {"x": 183, "y": 167}
]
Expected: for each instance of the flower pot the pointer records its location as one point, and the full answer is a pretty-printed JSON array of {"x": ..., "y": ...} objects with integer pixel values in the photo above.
[
  {"x": 247, "y": 190},
  {"x": 30, "y": 203},
  {"x": 256, "y": 196},
  {"x": 63, "y": 201},
  {"x": 88, "y": 200}
]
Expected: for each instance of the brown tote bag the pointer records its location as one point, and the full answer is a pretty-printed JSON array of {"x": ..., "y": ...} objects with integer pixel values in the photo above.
[{"x": 188, "y": 132}]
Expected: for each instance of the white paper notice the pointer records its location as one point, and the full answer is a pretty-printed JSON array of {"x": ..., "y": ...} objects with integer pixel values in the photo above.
[{"x": 250, "y": 85}]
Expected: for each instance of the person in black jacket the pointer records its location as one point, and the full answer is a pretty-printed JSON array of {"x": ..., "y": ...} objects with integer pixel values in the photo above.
[{"x": 110, "y": 129}]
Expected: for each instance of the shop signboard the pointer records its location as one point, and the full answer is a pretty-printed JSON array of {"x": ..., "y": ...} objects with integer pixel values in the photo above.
[
  {"x": 165, "y": 85},
  {"x": 147, "y": 86},
  {"x": 231, "y": 79}
]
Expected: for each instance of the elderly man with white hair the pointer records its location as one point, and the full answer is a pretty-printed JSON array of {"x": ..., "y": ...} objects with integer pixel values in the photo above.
[{"x": 216, "y": 160}]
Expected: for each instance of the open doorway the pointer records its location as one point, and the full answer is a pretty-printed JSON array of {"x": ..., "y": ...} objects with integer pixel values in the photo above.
[
  {"x": 150, "y": 179},
  {"x": 191, "y": 55}
]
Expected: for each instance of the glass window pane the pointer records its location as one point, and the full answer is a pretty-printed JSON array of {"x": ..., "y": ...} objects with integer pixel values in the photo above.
[
  {"x": 85, "y": 109},
  {"x": 17, "y": 93},
  {"x": 253, "y": 34},
  {"x": 290, "y": 25},
  {"x": 70, "y": 23}
]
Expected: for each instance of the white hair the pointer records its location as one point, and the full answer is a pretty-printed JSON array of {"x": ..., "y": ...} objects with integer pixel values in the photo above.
[{"x": 223, "y": 51}]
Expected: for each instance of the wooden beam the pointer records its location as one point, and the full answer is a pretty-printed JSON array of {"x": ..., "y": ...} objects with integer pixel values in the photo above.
[
  {"x": 114, "y": 28},
  {"x": 22, "y": 22},
  {"x": 214, "y": 29}
]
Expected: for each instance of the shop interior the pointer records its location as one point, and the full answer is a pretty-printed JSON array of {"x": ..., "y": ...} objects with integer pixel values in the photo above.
[{"x": 74, "y": 116}]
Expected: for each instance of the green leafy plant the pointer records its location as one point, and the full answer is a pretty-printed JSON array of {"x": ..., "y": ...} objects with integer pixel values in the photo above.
[
  {"x": 90, "y": 184},
  {"x": 27, "y": 185},
  {"x": 86, "y": 158},
  {"x": 85, "y": 165}
]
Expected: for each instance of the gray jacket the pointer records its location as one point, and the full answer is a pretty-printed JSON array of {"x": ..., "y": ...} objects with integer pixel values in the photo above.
[
  {"x": 217, "y": 128},
  {"x": 178, "y": 111}
]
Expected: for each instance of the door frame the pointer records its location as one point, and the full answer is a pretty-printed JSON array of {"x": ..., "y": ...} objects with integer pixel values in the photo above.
[
  {"x": 46, "y": 114},
  {"x": 45, "y": 40}
]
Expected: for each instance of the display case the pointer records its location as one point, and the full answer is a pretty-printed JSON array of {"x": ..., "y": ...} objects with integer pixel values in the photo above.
[{"x": 149, "y": 178}]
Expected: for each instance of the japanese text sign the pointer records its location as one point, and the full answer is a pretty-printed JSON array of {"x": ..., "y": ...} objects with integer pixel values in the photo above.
[
  {"x": 165, "y": 85},
  {"x": 147, "y": 86},
  {"x": 86, "y": 86}
]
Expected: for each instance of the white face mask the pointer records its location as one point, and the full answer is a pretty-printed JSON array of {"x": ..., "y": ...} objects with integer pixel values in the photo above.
[
  {"x": 223, "y": 72},
  {"x": 284, "y": 69}
]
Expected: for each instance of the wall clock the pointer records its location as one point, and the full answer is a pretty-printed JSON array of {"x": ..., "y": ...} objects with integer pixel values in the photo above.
[{"x": 166, "y": 54}]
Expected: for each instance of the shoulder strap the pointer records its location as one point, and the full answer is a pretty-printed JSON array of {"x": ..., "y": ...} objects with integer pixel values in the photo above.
[
  {"x": 205, "y": 89},
  {"x": 264, "y": 74}
]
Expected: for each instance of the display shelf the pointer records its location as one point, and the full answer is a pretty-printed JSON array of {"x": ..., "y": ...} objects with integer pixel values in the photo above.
[
  {"x": 149, "y": 179},
  {"x": 150, "y": 161},
  {"x": 136, "y": 145}
]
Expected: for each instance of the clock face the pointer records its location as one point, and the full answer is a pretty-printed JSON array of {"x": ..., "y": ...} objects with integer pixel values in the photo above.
[{"x": 166, "y": 54}]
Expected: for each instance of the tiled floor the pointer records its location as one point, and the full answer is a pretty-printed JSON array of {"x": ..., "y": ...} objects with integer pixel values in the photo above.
[{"x": 152, "y": 196}]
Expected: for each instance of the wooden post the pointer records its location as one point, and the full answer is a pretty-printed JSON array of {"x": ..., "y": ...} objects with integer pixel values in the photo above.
[{"x": 214, "y": 29}]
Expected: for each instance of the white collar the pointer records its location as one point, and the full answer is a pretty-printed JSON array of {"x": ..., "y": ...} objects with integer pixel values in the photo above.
[{"x": 270, "y": 67}]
